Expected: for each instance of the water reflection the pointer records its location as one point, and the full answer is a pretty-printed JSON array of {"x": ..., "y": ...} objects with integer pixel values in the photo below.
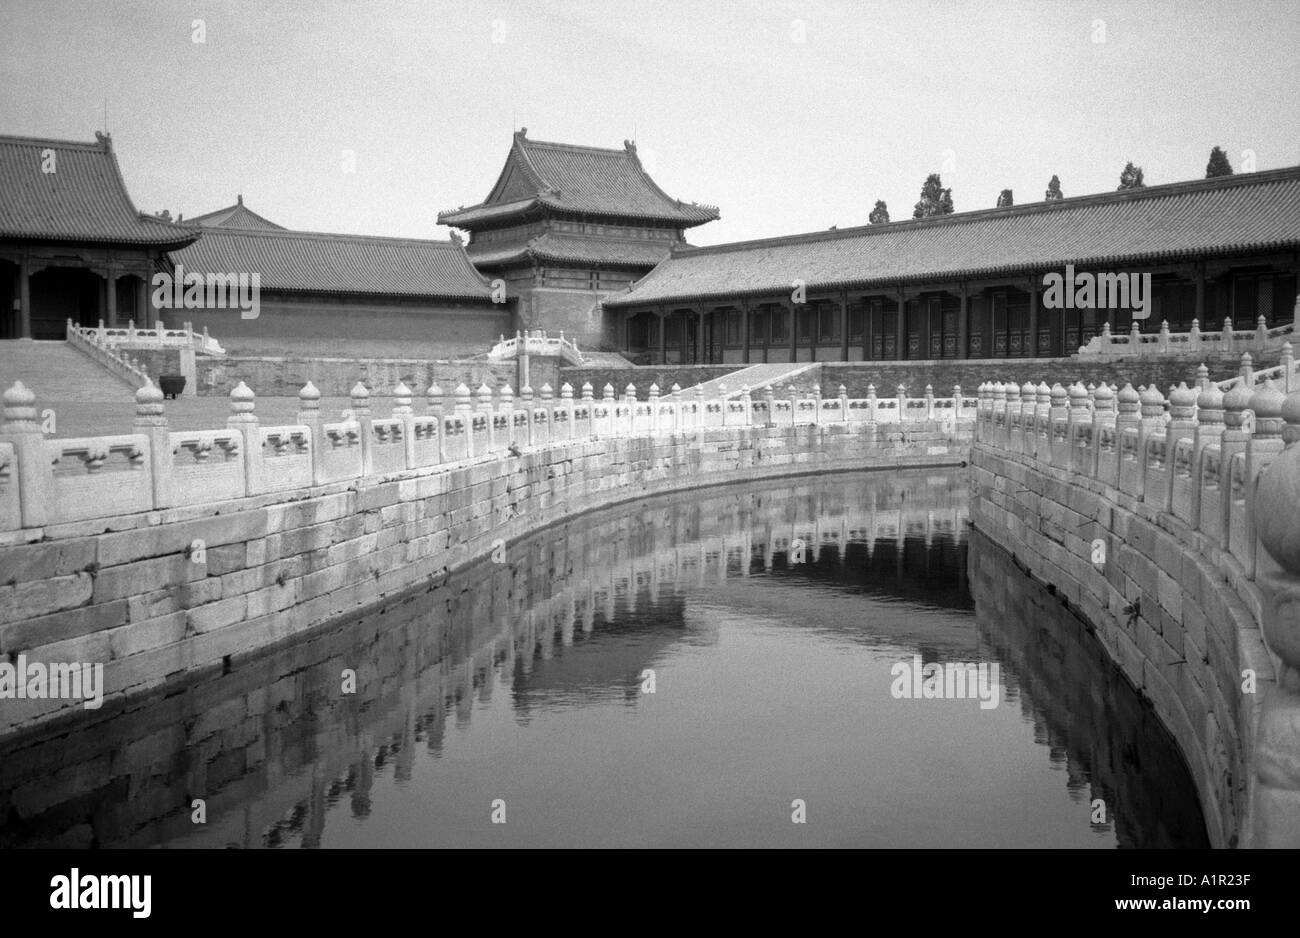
[{"x": 770, "y": 616}]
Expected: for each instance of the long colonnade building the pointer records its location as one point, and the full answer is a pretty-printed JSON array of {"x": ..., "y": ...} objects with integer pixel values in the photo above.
[{"x": 970, "y": 285}]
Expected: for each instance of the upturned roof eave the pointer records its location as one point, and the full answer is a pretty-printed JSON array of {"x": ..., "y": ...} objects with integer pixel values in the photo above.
[{"x": 98, "y": 240}]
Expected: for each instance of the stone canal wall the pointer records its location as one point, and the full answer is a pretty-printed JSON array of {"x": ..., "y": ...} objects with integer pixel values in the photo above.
[
  {"x": 195, "y": 550},
  {"x": 1170, "y": 526}
]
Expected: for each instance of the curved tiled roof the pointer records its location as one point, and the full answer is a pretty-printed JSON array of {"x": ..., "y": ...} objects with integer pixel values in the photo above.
[
  {"x": 235, "y": 216},
  {"x": 590, "y": 250},
  {"x": 582, "y": 180},
  {"x": 83, "y": 201},
  {"x": 312, "y": 262},
  {"x": 1249, "y": 212}
]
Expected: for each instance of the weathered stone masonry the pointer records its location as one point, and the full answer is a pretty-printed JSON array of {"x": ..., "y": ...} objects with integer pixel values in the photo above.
[
  {"x": 1165, "y": 531},
  {"x": 125, "y": 590}
]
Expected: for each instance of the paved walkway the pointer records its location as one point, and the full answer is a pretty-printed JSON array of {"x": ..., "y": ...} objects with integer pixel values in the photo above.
[
  {"x": 55, "y": 370},
  {"x": 88, "y": 400},
  {"x": 754, "y": 377}
]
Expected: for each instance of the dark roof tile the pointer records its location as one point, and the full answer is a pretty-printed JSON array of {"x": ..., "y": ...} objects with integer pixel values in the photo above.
[
  {"x": 580, "y": 248},
  {"x": 83, "y": 201},
  {"x": 582, "y": 180},
  {"x": 235, "y": 216},
  {"x": 312, "y": 262},
  {"x": 1234, "y": 214}
]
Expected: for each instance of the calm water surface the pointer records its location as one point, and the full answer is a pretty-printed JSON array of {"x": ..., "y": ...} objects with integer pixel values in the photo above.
[{"x": 770, "y": 617}]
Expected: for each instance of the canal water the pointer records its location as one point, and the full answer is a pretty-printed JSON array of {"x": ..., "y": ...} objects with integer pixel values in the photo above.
[{"x": 729, "y": 667}]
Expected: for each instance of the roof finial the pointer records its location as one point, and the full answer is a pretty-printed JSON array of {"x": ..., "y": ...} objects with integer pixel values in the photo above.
[{"x": 240, "y": 198}]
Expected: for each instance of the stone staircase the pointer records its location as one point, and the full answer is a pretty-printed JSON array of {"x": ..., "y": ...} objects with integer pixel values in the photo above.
[
  {"x": 54, "y": 371},
  {"x": 754, "y": 377}
]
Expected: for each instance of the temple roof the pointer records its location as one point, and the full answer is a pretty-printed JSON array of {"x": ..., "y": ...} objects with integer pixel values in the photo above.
[
  {"x": 235, "y": 216},
  {"x": 580, "y": 180},
  {"x": 312, "y": 262},
  {"x": 1245, "y": 213},
  {"x": 560, "y": 248},
  {"x": 84, "y": 200}
]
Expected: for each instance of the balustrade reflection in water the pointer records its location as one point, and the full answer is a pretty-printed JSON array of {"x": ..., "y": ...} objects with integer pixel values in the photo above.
[{"x": 770, "y": 616}]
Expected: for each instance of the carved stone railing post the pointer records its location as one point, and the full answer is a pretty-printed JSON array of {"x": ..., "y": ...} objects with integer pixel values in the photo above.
[
  {"x": 309, "y": 417},
  {"x": 244, "y": 419},
  {"x": 1103, "y": 423},
  {"x": 1059, "y": 424},
  {"x": 871, "y": 403},
  {"x": 526, "y": 403},
  {"x": 464, "y": 410},
  {"x": 629, "y": 398},
  {"x": 769, "y": 398},
  {"x": 32, "y": 469},
  {"x": 1209, "y": 432},
  {"x": 566, "y": 405},
  {"x": 998, "y": 416},
  {"x": 1079, "y": 430},
  {"x": 434, "y": 404},
  {"x": 1012, "y": 438},
  {"x": 654, "y": 408},
  {"x": 1275, "y": 804},
  {"x": 1028, "y": 442},
  {"x": 403, "y": 411},
  {"x": 151, "y": 420},
  {"x": 1263, "y": 447}
]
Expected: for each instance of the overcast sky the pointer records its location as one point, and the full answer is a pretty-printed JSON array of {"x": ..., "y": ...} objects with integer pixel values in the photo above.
[{"x": 790, "y": 116}]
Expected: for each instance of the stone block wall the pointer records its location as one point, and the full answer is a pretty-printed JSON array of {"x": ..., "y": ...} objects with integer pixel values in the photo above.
[
  {"x": 335, "y": 377},
  {"x": 1160, "y": 601},
  {"x": 163, "y": 596}
]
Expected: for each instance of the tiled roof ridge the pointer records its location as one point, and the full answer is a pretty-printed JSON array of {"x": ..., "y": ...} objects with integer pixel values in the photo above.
[
  {"x": 549, "y": 194},
  {"x": 237, "y": 206},
  {"x": 1163, "y": 190},
  {"x": 104, "y": 144},
  {"x": 540, "y": 182},
  {"x": 217, "y": 230},
  {"x": 627, "y": 148}
]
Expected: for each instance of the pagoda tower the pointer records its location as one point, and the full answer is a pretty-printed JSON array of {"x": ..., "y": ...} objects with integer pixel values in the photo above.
[{"x": 566, "y": 225}]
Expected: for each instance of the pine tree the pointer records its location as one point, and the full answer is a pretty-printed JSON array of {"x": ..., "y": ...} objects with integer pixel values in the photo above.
[
  {"x": 1131, "y": 178},
  {"x": 880, "y": 214},
  {"x": 1218, "y": 165},
  {"x": 1053, "y": 193},
  {"x": 1004, "y": 199},
  {"x": 935, "y": 199}
]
